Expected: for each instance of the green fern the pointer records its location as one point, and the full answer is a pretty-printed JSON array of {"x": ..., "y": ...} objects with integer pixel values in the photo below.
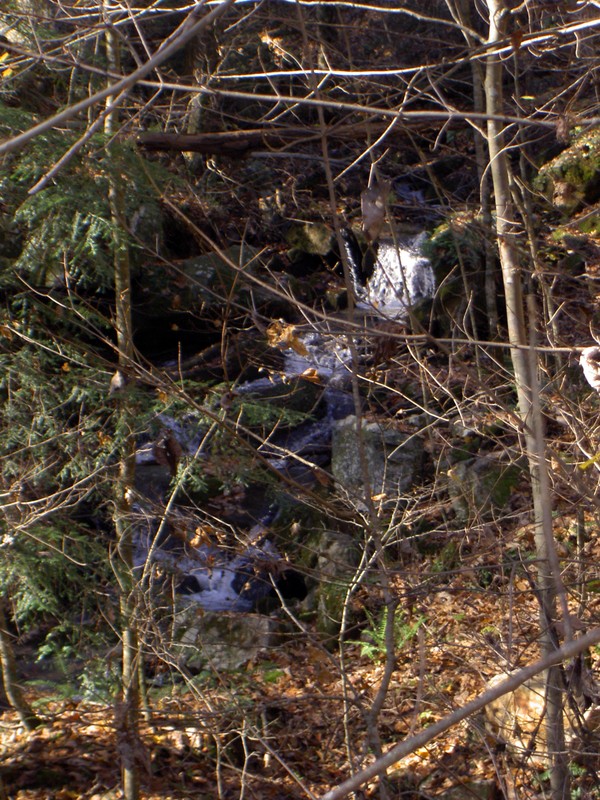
[{"x": 373, "y": 643}]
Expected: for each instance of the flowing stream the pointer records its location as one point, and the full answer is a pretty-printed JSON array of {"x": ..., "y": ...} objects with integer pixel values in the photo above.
[{"x": 213, "y": 577}]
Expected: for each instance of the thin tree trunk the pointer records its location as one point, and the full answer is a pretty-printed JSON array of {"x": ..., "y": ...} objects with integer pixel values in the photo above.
[
  {"x": 13, "y": 692},
  {"x": 127, "y": 722},
  {"x": 461, "y": 11},
  {"x": 525, "y": 371},
  {"x": 129, "y": 711}
]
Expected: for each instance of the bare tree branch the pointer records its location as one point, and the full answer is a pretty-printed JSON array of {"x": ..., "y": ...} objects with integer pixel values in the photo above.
[
  {"x": 400, "y": 751},
  {"x": 186, "y": 31}
]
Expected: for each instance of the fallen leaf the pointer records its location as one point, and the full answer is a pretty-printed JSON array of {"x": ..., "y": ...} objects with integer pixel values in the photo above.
[
  {"x": 283, "y": 336},
  {"x": 311, "y": 375}
]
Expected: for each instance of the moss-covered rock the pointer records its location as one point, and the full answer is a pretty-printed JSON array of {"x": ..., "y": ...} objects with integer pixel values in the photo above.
[
  {"x": 310, "y": 237},
  {"x": 460, "y": 238},
  {"x": 335, "y": 558},
  {"x": 456, "y": 250},
  {"x": 393, "y": 458},
  {"x": 196, "y": 284},
  {"x": 571, "y": 180},
  {"x": 481, "y": 486},
  {"x": 220, "y": 640}
]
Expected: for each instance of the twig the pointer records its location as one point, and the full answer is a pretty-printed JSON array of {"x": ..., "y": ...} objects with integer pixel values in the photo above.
[{"x": 401, "y": 750}]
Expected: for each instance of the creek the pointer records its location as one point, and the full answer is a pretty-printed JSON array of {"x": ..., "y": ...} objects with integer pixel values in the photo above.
[{"x": 216, "y": 578}]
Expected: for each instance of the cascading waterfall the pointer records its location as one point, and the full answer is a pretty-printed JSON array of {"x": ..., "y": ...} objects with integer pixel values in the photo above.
[
  {"x": 402, "y": 276},
  {"x": 212, "y": 577}
]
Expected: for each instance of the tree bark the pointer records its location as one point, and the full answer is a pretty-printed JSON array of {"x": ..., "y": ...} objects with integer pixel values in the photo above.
[
  {"x": 237, "y": 144},
  {"x": 525, "y": 372},
  {"x": 461, "y": 11},
  {"x": 13, "y": 692},
  {"x": 127, "y": 718}
]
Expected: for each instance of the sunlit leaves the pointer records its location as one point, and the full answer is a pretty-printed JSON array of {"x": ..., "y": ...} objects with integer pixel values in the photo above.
[{"x": 284, "y": 337}]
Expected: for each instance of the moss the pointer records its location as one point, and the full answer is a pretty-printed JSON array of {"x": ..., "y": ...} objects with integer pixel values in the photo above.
[
  {"x": 590, "y": 224},
  {"x": 310, "y": 237},
  {"x": 572, "y": 179},
  {"x": 574, "y": 237}
]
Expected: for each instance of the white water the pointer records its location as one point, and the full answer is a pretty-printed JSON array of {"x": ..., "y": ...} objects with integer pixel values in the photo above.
[
  {"x": 328, "y": 355},
  {"x": 402, "y": 276}
]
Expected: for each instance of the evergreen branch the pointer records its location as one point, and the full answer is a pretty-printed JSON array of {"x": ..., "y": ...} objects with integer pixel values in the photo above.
[{"x": 186, "y": 31}]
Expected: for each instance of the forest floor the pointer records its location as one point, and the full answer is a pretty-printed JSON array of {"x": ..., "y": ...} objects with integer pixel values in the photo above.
[{"x": 279, "y": 728}]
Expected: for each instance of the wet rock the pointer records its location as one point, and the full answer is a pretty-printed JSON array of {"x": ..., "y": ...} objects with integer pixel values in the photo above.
[{"x": 295, "y": 394}]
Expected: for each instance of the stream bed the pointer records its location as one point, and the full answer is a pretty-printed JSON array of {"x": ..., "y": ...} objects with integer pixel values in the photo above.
[{"x": 216, "y": 578}]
